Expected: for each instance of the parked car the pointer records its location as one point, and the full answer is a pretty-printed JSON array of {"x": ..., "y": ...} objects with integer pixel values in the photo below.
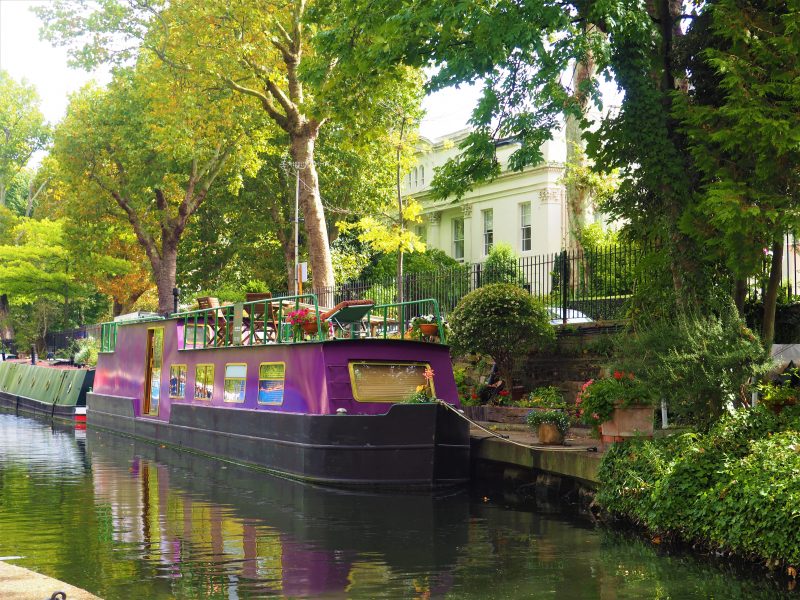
[{"x": 573, "y": 316}]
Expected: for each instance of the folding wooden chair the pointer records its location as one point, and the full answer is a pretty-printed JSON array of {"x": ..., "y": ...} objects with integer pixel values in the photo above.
[
  {"x": 262, "y": 317},
  {"x": 349, "y": 314}
]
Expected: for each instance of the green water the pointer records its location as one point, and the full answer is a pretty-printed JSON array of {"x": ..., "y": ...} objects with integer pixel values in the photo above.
[{"x": 133, "y": 520}]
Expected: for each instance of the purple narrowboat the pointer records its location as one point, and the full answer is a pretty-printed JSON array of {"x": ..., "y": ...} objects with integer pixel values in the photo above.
[{"x": 322, "y": 399}]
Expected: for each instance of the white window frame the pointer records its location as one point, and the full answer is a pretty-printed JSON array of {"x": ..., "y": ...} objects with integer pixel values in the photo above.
[
  {"x": 457, "y": 240},
  {"x": 488, "y": 230},
  {"x": 522, "y": 228}
]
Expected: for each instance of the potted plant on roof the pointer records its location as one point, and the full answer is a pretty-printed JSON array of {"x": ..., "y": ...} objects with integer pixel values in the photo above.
[
  {"x": 550, "y": 425},
  {"x": 619, "y": 407},
  {"x": 303, "y": 319},
  {"x": 424, "y": 325}
]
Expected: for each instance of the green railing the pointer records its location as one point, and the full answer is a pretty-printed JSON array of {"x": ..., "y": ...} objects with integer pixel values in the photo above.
[
  {"x": 400, "y": 309},
  {"x": 252, "y": 323},
  {"x": 108, "y": 336}
]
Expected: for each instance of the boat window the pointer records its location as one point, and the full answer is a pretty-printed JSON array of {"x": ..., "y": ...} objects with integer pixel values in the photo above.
[
  {"x": 271, "y": 378},
  {"x": 235, "y": 380},
  {"x": 177, "y": 381},
  {"x": 386, "y": 382},
  {"x": 204, "y": 382}
]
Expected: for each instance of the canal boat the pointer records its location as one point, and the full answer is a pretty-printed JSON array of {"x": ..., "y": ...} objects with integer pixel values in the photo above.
[
  {"x": 56, "y": 392},
  {"x": 280, "y": 384}
]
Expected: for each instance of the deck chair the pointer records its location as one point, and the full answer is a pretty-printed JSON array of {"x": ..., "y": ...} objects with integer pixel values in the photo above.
[
  {"x": 217, "y": 326},
  {"x": 349, "y": 314},
  {"x": 262, "y": 317}
]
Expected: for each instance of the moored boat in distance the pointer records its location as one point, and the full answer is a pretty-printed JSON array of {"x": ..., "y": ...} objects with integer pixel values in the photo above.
[
  {"x": 322, "y": 399},
  {"x": 57, "y": 392}
]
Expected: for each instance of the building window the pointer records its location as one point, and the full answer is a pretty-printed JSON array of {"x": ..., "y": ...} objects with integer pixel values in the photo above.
[
  {"x": 271, "y": 377},
  {"x": 422, "y": 176},
  {"x": 416, "y": 177},
  {"x": 458, "y": 239},
  {"x": 419, "y": 230},
  {"x": 177, "y": 381},
  {"x": 488, "y": 230},
  {"x": 203, "y": 382},
  {"x": 525, "y": 226},
  {"x": 235, "y": 381}
]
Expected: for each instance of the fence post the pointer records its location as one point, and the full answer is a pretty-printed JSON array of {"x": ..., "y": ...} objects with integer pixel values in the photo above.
[{"x": 564, "y": 285}]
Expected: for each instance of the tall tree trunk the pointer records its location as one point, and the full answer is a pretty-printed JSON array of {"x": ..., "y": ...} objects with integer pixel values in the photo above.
[
  {"x": 165, "y": 275},
  {"x": 400, "y": 221},
  {"x": 771, "y": 294},
  {"x": 319, "y": 251},
  {"x": 2, "y": 193},
  {"x": 6, "y": 330},
  {"x": 740, "y": 295}
]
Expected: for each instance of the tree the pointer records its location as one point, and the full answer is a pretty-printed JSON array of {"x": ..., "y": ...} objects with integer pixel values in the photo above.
[
  {"x": 503, "y": 321},
  {"x": 23, "y": 130},
  {"x": 150, "y": 147},
  {"x": 741, "y": 119},
  {"x": 262, "y": 50}
]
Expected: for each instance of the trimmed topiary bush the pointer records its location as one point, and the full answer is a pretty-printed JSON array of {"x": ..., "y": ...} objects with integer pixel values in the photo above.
[{"x": 503, "y": 321}]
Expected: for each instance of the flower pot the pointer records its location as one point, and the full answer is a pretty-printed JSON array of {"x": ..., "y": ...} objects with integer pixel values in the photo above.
[
  {"x": 309, "y": 327},
  {"x": 429, "y": 329},
  {"x": 549, "y": 434},
  {"x": 627, "y": 422}
]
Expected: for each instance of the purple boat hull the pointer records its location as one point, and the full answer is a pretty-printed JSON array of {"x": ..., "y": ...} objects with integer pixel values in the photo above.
[{"x": 373, "y": 444}]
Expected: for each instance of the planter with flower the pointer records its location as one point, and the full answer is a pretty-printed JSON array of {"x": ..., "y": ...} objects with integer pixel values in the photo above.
[
  {"x": 424, "y": 326},
  {"x": 550, "y": 425},
  {"x": 303, "y": 320},
  {"x": 424, "y": 393},
  {"x": 619, "y": 407},
  {"x": 776, "y": 396}
]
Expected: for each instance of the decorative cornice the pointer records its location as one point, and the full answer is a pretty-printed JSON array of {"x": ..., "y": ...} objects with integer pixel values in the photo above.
[
  {"x": 467, "y": 209},
  {"x": 551, "y": 195},
  {"x": 434, "y": 218}
]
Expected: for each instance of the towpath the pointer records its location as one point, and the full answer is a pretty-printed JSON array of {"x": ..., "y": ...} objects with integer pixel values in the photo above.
[{"x": 17, "y": 583}]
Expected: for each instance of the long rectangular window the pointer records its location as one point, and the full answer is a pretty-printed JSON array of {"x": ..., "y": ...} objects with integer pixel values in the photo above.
[
  {"x": 235, "y": 383},
  {"x": 177, "y": 381},
  {"x": 525, "y": 226},
  {"x": 271, "y": 379},
  {"x": 488, "y": 230},
  {"x": 387, "y": 382},
  {"x": 203, "y": 382},
  {"x": 458, "y": 239}
]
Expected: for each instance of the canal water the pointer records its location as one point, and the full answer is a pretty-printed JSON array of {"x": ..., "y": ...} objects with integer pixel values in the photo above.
[{"x": 126, "y": 519}]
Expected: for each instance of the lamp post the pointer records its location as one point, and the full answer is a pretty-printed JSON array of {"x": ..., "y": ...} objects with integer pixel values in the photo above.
[{"x": 175, "y": 293}]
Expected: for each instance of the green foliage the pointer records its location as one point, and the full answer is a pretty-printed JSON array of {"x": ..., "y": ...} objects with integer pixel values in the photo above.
[
  {"x": 598, "y": 398},
  {"x": 559, "y": 418},
  {"x": 502, "y": 266},
  {"x": 734, "y": 488},
  {"x": 697, "y": 362},
  {"x": 85, "y": 351},
  {"x": 779, "y": 394},
  {"x": 544, "y": 397},
  {"x": 500, "y": 320}
]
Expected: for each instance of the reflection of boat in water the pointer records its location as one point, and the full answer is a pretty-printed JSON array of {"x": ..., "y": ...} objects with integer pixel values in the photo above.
[
  {"x": 314, "y": 407},
  {"x": 266, "y": 532}
]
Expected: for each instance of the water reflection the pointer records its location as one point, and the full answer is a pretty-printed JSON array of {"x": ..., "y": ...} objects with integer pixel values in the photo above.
[{"x": 128, "y": 519}]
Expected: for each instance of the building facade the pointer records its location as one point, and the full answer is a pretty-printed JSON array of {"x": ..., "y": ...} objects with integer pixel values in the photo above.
[{"x": 525, "y": 209}]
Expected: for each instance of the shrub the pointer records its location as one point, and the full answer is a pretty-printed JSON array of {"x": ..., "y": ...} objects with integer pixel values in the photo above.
[
  {"x": 86, "y": 350},
  {"x": 598, "y": 398},
  {"x": 735, "y": 488},
  {"x": 544, "y": 397},
  {"x": 557, "y": 417},
  {"x": 500, "y": 320},
  {"x": 502, "y": 266}
]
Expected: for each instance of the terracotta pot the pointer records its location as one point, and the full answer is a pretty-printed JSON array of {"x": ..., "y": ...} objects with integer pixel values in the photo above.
[
  {"x": 549, "y": 434},
  {"x": 309, "y": 327},
  {"x": 627, "y": 422},
  {"x": 429, "y": 329}
]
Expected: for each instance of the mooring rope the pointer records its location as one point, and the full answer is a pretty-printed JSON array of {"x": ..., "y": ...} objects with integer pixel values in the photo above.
[{"x": 514, "y": 442}]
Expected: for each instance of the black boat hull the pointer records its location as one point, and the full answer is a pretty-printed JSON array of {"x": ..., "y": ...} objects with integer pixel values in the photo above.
[{"x": 412, "y": 446}]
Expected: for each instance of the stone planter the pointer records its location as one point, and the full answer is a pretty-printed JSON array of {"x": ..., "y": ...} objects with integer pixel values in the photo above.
[
  {"x": 549, "y": 434},
  {"x": 628, "y": 422}
]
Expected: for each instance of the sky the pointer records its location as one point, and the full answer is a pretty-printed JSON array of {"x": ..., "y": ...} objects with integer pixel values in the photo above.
[{"x": 24, "y": 56}]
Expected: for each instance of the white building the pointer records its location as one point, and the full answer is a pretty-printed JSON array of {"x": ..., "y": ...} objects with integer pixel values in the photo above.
[{"x": 525, "y": 209}]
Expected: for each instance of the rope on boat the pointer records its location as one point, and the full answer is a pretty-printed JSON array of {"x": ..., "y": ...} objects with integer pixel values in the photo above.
[{"x": 452, "y": 408}]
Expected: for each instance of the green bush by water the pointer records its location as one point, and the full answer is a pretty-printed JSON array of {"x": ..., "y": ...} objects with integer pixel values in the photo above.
[{"x": 734, "y": 488}]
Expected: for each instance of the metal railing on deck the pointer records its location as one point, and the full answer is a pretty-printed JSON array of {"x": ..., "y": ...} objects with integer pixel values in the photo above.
[
  {"x": 108, "y": 336},
  {"x": 252, "y": 323},
  {"x": 403, "y": 317}
]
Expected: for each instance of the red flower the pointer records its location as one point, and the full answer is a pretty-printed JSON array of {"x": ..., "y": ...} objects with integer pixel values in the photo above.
[
  {"x": 618, "y": 375},
  {"x": 503, "y": 392},
  {"x": 474, "y": 396},
  {"x": 630, "y": 376}
]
